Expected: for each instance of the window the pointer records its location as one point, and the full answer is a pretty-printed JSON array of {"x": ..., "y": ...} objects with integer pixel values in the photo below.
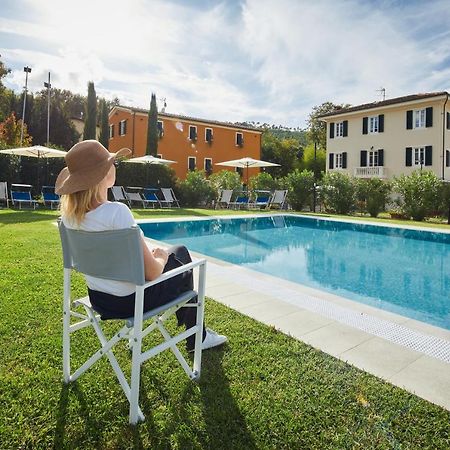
[
  {"x": 208, "y": 166},
  {"x": 111, "y": 131},
  {"x": 340, "y": 129},
  {"x": 373, "y": 158},
  {"x": 239, "y": 170},
  {"x": 160, "y": 128},
  {"x": 338, "y": 161},
  {"x": 239, "y": 139},
  {"x": 419, "y": 156},
  {"x": 208, "y": 135},
  {"x": 191, "y": 163},
  {"x": 419, "y": 118},
  {"x": 192, "y": 132},
  {"x": 373, "y": 124},
  {"x": 122, "y": 127}
]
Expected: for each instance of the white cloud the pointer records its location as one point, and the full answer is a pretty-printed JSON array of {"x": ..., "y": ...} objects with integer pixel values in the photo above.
[{"x": 262, "y": 60}]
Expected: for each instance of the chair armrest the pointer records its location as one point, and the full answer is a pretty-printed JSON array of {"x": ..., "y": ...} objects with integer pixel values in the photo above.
[{"x": 174, "y": 272}]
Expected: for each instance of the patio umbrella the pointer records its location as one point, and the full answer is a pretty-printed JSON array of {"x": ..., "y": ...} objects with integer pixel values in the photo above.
[
  {"x": 245, "y": 163},
  {"x": 35, "y": 151},
  {"x": 149, "y": 159}
]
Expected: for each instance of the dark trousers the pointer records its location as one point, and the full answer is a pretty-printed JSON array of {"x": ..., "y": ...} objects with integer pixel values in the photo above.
[{"x": 115, "y": 307}]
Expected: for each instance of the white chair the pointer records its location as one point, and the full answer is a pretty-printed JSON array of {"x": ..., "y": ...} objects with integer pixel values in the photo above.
[
  {"x": 278, "y": 199},
  {"x": 169, "y": 198},
  {"x": 118, "y": 194},
  {"x": 134, "y": 197},
  {"x": 225, "y": 198},
  {"x": 4, "y": 193},
  {"x": 117, "y": 255}
]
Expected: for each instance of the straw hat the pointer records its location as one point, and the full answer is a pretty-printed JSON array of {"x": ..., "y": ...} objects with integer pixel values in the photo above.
[{"x": 88, "y": 162}]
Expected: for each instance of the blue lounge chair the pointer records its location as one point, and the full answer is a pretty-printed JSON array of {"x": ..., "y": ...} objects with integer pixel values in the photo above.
[
  {"x": 50, "y": 197},
  {"x": 262, "y": 200},
  {"x": 20, "y": 194},
  {"x": 241, "y": 201},
  {"x": 150, "y": 197}
]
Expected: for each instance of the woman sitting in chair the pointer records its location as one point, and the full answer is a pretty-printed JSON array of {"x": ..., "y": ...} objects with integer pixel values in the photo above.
[{"x": 83, "y": 186}]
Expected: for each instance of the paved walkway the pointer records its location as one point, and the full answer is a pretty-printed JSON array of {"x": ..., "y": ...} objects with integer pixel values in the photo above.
[{"x": 407, "y": 353}]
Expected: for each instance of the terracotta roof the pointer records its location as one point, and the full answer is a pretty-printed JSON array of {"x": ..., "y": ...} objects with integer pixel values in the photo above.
[
  {"x": 391, "y": 101},
  {"x": 194, "y": 119}
]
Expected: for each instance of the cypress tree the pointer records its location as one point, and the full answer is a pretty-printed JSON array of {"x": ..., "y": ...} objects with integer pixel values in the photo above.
[
  {"x": 90, "y": 121},
  {"x": 104, "y": 123},
  {"x": 152, "y": 130}
]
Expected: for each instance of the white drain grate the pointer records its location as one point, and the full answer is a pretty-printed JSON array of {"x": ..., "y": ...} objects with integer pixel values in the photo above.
[{"x": 398, "y": 334}]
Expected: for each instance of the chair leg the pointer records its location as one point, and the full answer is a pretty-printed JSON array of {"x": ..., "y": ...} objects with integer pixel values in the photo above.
[{"x": 66, "y": 325}]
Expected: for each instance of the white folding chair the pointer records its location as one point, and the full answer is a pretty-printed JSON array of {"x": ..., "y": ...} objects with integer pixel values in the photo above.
[
  {"x": 225, "y": 198},
  {"x": 278, "y": 199},
  {"x": 117, "y": 255},
  {"x": 118, "y": 194},
  {"x": 4, "y": 193},
  {"x": 169, "y": 198}
]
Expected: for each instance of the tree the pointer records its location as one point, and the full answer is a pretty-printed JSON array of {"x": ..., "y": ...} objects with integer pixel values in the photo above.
[
  {"x": 104, "y": 123},
  {"x": 317, "y": 164},
  {"x": 317, "y": 129},
  {"x": 285, "y": 152},
  {"x": 5, "y": 94},
  {"x": 90, "y": 123},
  {"x": 10, "y": 133},
  {"x": 152, "y": 130}
]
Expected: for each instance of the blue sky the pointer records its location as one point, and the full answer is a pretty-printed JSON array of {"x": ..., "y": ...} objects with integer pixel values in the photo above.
[{"x": 255, "y": 60}]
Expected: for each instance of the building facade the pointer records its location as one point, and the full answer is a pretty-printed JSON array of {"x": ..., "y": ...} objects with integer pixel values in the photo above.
[
  {"x": 392, "y": 137},
  {"x": 193, "y": 143}
]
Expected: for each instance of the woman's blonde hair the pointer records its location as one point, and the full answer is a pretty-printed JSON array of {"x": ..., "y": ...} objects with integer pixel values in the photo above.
[{"x": 75, "y": 206}]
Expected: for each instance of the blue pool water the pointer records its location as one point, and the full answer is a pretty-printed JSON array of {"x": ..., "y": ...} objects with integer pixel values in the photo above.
[{"x": 398, "y": 270}]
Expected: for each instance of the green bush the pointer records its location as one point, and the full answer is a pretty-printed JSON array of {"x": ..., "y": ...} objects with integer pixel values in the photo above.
[
  {"x": 263, "y": 182},
  {"x": 145, "y": 175},
  {"x": 373, "y": 193},
  {"x": 445, "y": 200},
  {"x": 225, "y": 179},
  {"x": 338, "y": 192},
  {"x": 420, "y": 194},
  {"x": 195, "y": 190},
  {"x": 300, "y": 185}
]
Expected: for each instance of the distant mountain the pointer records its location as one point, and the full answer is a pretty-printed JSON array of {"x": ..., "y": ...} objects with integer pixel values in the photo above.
[{"x": 279, "y": 131}]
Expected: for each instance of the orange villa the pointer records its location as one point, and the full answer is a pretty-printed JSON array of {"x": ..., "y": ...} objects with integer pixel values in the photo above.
[{"x": 193, "y": 143}]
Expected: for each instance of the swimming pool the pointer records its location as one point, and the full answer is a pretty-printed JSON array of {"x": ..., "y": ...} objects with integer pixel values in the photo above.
[{"x": 399, "y": 270}]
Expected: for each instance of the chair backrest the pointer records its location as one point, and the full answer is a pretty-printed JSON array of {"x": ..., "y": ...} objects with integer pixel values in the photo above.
[
  {"x": 168, "y": 194},
  {"x": 134, "y": 196},
  {"x": 118, "y": 193},
  {"x": 150, "y": 195},
  {"x": 48, "y": 192},
  {"x": 225, "y": 196},
  {"x": 19, "y": 195},
  {"x": 112, "y": 255},
  {"x": 279, "y": 197},
  {"x": 3, "y": 190}
]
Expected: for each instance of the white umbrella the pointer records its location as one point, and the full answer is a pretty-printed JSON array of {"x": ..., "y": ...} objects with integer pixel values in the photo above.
[
  {"x": 149, "y": 159},
  {"x": 36, "y": 151},
  {"x": 245, "y": 163}
]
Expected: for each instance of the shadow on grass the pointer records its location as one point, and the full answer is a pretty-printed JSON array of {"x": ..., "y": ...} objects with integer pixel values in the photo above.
[{"x": 12, "y": 217}]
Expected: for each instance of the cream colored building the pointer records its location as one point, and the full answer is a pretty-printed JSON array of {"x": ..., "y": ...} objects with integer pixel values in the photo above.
[{"x": 392, "y": 137}]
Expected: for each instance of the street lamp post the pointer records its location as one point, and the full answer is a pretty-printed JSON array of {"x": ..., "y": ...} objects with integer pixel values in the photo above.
[
  {"x": 48, "y": 86},
  {"x": 27, "y": 70},
  {"x": 314, "y": 184}
]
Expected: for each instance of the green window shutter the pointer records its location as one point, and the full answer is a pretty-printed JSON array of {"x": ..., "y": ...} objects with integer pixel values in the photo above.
[
  {"x": 380, "y": 157},
  {"x": 363, "y": 158},
  {"x": 409, "y": 120},
  {"x": 428, "y": 155},
  {"x": 331, "y": 130},
  {"x": 408, "y": 156},
  {"x": 344, "y": 160},
  {"x": 331, "y": 161},
  {"x": 429, "y": 117},
  {"x": 381, "y": 123},
  {"x": 365, "y": 125},
  {"x": 448, "y": 121},
  {"x": 345, "y": 131},
  {"x": 447, "y": 158}
]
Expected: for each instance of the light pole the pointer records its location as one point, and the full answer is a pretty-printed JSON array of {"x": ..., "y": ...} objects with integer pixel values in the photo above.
[
  {"x": 27, "y": 70},
  {"x": 314, "y": 171},
  {"x": 48, "y": 86}
]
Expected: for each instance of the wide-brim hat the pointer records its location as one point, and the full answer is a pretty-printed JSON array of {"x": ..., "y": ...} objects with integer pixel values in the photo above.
[{"x": 88, "y": 163}]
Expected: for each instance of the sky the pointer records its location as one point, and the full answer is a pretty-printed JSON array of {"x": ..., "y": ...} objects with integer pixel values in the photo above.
[{"x": 253, "y": 60}]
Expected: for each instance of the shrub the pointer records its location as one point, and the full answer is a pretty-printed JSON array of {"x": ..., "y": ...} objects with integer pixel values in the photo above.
[
  {"x": 263, "y": 182},
  {"x": 338, "y": 192},
  {"x": 374, "y": 193},
  {"x": 300, "y": 185},
  {"x": 420, "y": 193},
  {"x": 195, "y": 190},
  {"x": 145, "y": 175},
  {"x": 225, "y": 179}
]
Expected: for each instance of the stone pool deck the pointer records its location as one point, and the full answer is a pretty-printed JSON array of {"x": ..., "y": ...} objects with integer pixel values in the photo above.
[{"x": 407, "y": 353}]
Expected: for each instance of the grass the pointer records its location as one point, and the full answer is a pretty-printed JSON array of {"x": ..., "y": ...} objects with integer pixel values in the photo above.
[{"x": 262, "y": 390}]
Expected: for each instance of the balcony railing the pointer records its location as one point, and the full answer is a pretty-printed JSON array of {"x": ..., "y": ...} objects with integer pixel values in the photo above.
[{"x": 370, "y": 172}]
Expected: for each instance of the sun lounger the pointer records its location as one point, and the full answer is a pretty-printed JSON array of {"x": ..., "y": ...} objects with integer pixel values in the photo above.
[
  {"x": 21, "y": 194},
  {"x": 262, "y": 200},
  {"x": 50, "y": 197},
  {"x": 118, "y": 194},
  {"x": 278, "y": 199},
  {"x": 150, "y": 197},
  {"x": 225, "y": 198},
  {"x": 4, "y": 193},
  {"x": 169, "y": 200}
]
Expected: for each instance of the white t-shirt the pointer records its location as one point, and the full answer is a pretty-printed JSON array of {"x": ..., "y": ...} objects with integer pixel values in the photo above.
[{"x": 107, "y": 216}]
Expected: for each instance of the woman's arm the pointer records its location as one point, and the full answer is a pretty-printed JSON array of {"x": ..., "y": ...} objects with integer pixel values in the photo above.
[{"x": 154, "y": 261}]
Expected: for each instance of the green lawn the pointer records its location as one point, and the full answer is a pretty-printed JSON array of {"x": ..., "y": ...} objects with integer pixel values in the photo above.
[{"x": 262, "y": 390}]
